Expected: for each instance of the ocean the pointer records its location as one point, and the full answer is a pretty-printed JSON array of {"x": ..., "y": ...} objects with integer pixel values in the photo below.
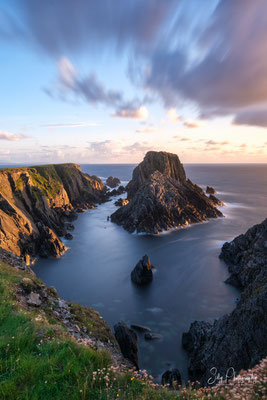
[{"x": 189, "y": 277}]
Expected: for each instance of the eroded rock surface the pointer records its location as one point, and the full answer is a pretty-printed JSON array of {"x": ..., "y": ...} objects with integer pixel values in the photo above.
[
  {"x": 162, "y": 198},
  {"x": 237, "y": 340},
  {"x": 127, "y": 341},
  {"x": 36, "y": 201},
  {"x": 142, "y": 273}
]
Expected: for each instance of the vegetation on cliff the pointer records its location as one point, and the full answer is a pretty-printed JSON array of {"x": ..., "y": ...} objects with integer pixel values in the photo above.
[
  {"x": 36, "y": 201},
  {"x": 41, "y": 360}
]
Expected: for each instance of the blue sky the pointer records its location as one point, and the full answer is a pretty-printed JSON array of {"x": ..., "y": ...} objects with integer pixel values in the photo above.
[{"x": 105, "y": 81}]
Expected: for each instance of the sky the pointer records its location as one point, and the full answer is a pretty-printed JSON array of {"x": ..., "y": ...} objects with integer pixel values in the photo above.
[{"x": 105, "y": 81}]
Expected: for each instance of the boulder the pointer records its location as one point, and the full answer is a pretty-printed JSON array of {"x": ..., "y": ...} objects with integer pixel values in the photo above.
[
  {"x": 142, "y": 273},
  {"x": 127, "y": 341},
  {"x": 210, "y": 190},
  {"x": 70, "y": 227},
  {"x": 68, "y": 236},
  {"x": 116, "y": 192},
  {"x": 34, "y": 299},
  {"x": 112, "y": 182},
  {"x": 172, "y": 378}
]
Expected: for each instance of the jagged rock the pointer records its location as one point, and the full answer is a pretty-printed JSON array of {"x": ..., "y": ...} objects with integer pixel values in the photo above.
[
  {"x": 210, "y": 190},
  {"x": 70, "y": 227},
  {"x": 152, "y": 336},
  {"x": 68, "y": 236},
  {"x": 161, "y": 198},
  {"x": 140, "y": 328},
  {"x": 215, "y": 200},
  {"x": 237, "y": 340},
  {"x": 116, "y": 192},
  {"x": 166, "y": 163},
  {"x": 35, "y": 203},
  {"x": 34, "y": 299},
  {"x": 172, "y": 378},
  {"x": 49, "y": 242},
  {"x": 121, "y": 202},
  {"x": 127, "y": 341},
  {"x": 142, "y": 273},
  {"x": 112, "y": 182}
]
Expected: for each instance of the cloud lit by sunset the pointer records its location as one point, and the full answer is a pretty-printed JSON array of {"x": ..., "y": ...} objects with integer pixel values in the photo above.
[{"x": 163, "y": 68}]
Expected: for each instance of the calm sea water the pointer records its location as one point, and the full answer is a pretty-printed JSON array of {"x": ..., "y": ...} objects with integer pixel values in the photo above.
[{"x": 189, "y": 278}]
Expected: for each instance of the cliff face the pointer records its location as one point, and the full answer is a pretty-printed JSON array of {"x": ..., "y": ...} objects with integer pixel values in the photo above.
[
  {"x": 34, "y": 202},
  {"x": 166, "y": 163},
  {"x": 162, "y": 198},
  {"x": 238, "y": 340}
]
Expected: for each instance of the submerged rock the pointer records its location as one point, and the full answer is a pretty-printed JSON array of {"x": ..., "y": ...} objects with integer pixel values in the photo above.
[
  {"x": 162, "y": 198},
  {"x": 112, "y": 182},
  {"x": 68, "y": 236},
  {"x": 140, "y": 328},
  {"x": 152, "y": 336},
  {"x": 237, "y": 340},
  {"x": 127, "y": 341},
  {"x": 172, "y": 378},
  {"x": 142, "y": 273}
]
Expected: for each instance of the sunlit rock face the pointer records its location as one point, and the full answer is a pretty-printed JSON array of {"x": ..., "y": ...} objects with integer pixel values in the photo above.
[
  {"x": 161, "y": 197},
  {"x": 36, "y": 201}
]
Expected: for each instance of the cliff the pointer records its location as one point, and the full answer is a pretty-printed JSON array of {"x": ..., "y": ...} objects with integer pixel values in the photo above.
[
  {"x": 161, "y": 197},
  {"x": 238, "y": 340},
  {"x": 36, "y": 201},
  {"x": 54, "y": 349}
]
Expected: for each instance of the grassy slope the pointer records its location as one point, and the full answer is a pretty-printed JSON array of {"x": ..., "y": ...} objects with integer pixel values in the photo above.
[{"x": 39, "y": 360}]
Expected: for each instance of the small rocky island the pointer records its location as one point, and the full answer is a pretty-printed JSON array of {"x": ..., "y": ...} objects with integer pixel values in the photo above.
[
  {"x": 237, "y": 340},
  {"x": 161, "y": 197}
]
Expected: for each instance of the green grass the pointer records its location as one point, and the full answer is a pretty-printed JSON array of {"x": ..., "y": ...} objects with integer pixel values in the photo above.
[{"x": 39, "y": 361}]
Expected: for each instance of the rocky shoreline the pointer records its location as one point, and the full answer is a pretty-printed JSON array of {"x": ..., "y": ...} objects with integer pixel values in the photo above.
[{"x": 237, "y": 340}]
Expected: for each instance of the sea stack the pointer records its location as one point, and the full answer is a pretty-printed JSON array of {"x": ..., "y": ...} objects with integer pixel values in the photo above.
[
  {"x": 142, "y": 273},
  {"x": 161, "y": 197}
]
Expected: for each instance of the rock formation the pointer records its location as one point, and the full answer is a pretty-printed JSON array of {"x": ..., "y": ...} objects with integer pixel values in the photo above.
[
  {"x": 36, "y": 201},
  {"x": 210, "y": 190},
  {"x": 121, "y": 202},
  {"x": 127, "y": 340},
  {"x": 237, "y": 340},
  {"x": 142, "y": 273},
  {"x": 112, "y": 182},
  {"x": 172, "y": 378},
  {"x": 162, "y": 198}
]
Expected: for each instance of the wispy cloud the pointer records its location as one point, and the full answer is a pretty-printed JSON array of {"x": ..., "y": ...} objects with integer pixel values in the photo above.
[
  {"x": 192, "y": 124},
  {"x": 70, "y": 125},
  {"x": 134, "y": 113},
  {"x": 12, "y": 137},
  {"x": 172, "y": 115}
]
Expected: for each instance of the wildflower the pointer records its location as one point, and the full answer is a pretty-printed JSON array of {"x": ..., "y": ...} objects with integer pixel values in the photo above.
[{"x": 132, "y": 378}]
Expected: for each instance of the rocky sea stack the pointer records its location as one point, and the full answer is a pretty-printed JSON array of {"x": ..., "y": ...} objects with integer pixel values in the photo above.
[
  {"x": 142, "y": 273},
  {"x": 161, "y": 197},
  {"x": 237, "y": 340},
  {"x": 36, "y": 202}
]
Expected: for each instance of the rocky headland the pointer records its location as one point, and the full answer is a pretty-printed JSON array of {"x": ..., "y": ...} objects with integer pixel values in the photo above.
[
  {"x": 36, "y": 202},
  {"x": 161, "y": 197},
  {"x": 237, "y": 340}
]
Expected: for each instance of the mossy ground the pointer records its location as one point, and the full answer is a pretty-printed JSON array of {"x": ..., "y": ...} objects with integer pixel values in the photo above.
[{"x": 39, "y": 360}]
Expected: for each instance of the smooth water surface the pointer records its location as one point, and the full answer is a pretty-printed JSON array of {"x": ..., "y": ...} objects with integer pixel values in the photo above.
[{"x": 189, "y": 277}]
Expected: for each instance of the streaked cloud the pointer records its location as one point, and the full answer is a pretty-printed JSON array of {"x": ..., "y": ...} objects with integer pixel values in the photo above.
[
  {"x": 12, "y": 137},
  {"x": 138, "y": 113},
  {"x": 172, "y": 115},
  {"x": 253, "y": 117},
  {"x": 192, "y": 124},
  {"x": 70, "y": 125}
]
